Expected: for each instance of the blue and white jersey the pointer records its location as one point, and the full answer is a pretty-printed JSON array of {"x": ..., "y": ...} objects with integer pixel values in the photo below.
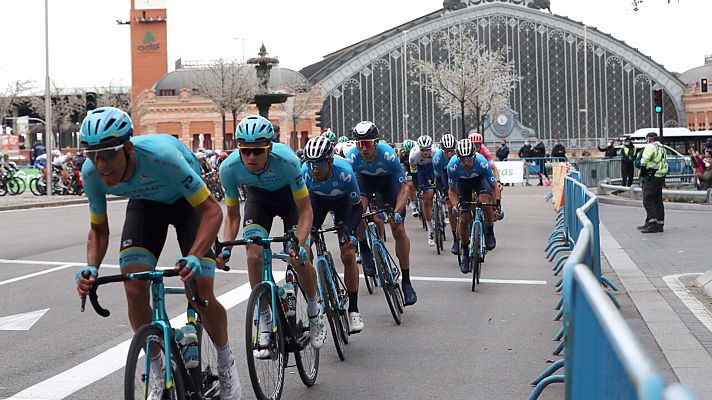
[
  {"x": 341, "y": 182},
  {"x": 418, "y": 163},
  {"x": 440, "y": 163},
  {"x": 480, "y": 168},
  {"x": 385, "y": 163}
]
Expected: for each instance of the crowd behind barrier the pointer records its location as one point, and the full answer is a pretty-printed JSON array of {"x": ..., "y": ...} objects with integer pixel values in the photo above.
[{"x": 602, "y": 359}]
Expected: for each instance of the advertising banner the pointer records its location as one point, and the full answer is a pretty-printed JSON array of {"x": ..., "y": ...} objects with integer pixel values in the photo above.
[{"x": 510, "y": 171}]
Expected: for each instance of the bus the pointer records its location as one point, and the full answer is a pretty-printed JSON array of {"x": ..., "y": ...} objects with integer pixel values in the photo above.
[{"x": 680, "y": 139}]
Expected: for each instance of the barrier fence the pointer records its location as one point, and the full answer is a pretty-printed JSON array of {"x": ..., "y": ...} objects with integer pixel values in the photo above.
[
  {"x": 594, "y": 170},
  {"x": 602, "y": 358}
]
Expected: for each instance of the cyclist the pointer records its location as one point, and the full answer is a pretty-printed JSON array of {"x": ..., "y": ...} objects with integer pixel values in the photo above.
[
  {"x": 469, "y": 173},
  {"x": 333, "y": 188},
  {"x": 440, "y": 160},
  {"x": 161, "y": 178},
  {"x": 480, "y": 147},
  {"x": 421, "y": 163},
  {"x": 379, "y": 172},
  {"x": 272, "y": 176},
  {"x": 404, "y": 156}
]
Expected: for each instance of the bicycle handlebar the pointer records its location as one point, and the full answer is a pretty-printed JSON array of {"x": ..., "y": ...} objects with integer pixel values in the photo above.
[
  {"x": 258, "y": 240},
  {"x": 137, "y": 276},
  {"x": 387, "y": 209}
]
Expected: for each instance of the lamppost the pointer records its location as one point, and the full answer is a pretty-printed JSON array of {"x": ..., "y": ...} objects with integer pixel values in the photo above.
[{"x": 48, "y": 107}]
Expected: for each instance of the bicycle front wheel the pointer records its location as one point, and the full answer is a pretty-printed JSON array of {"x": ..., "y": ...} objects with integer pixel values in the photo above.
[
  {"x": 265, "y": 364},
  {"x": 331, "y": 309},
  {"x": 475, "y": 262},
  {"x": 306, "y": 358},
  {"x": 15, "y": 185},
  {"x": 206, "y": 375},
  {"x": 387, "y": 284},
  {"x": 137, "y": 379}
]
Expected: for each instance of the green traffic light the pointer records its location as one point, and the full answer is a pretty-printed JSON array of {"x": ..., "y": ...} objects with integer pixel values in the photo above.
[{"x": 658, "y": 109}]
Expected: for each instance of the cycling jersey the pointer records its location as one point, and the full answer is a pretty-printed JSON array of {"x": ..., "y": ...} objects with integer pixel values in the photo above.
[
  {"x": 440, "y": 169},
  {"x": 341, "y": 182},
  {"x": 283, "y": 169},
  {"x": 487, "y": 154},
  {"x": 423, "y": 166},
  {"x": 480, "y": 168},
  {"x": 165, "y": 171},
  {"x": 384, "y": 164}
]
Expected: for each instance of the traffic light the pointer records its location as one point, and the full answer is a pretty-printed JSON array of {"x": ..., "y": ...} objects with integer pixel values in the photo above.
[
  {"x": 703, "y": 85},
  {"x": 658, "y": 100},
  {"x": 318, "y": 120},
  {"x": 91, "y": 98}
]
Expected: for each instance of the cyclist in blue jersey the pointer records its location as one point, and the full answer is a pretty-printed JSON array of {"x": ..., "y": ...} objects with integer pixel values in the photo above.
[
  {"x": 333, "y": 188},
  {"x": 440, "y": 160},
  {"x": 272, "y": 175},
  {"x": 421, "y": 163},
  {"x": 404, "y": 157},
  {"x": 161, "y": 178},
  {"x": 469, "y": 174},
  {"x": 379, "y": 172}
]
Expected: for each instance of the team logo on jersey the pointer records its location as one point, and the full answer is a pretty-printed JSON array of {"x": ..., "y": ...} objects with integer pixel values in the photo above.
[
  {"x": 390, "y": 156},
  {"x": 345, "y": 177},
  {"x": 483, "y": 165},
  {"x": 248, "y": 222},
  {"x": 126, "y": 243}
]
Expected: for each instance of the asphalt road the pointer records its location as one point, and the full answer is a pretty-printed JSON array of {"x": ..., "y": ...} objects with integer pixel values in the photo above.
[{"x": 453, "y": 344}]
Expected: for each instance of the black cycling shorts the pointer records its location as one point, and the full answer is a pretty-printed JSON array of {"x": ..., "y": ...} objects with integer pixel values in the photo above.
[
  {"x": 146, "y": 228},
  {"x": 380, "y": 186},
  {"x": 344, "y": 211},
  {"x": 465, "y": 188},
  {"x": 262, "y": 206}
]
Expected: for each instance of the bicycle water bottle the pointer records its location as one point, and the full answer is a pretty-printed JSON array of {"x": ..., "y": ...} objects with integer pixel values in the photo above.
[
  {"x": 191, "y": 356},
  {"x": 290, "y": 295}
]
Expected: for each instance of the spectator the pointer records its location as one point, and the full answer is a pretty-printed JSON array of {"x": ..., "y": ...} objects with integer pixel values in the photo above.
[
  {"x": 609, "y": 151},
  {"x": 503, "y": 151},
  {"x": 655, "y": 167},
  {"x": 540, "y": 154},
  {"x": 558, "y": 150},
  {"x": 708, "y": 145},
  {"x": 628, "y": 155},
  {"x": 37, "y": 150},
  {"x": 525, "y": 153},
  {"x": 705, "y": 177}
]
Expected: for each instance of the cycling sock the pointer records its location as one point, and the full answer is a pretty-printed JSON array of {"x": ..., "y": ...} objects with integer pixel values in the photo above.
[
  {"x": 225, "y": 356},
  {"x": 313, "y": 307},
  {"x": 430, "y": 226},
  {"x": 353, "y": 302},
  {"x": 412, "y": 206},
  {"x": 406, "y": 276},
  {"x": 265, "y": 321}
]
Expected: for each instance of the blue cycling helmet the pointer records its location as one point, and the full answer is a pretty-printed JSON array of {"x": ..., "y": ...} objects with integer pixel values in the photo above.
[
  {"x": 254, "y": 128},
  {"x": 105, "y": 126},
  {"x": 208, "y": 153}
]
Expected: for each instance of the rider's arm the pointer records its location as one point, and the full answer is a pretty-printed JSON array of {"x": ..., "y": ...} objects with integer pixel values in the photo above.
[
  {"x": 306, "y": 216},
  {"x": 97, "y": 243},
  {"x": 452, "y": 194},
  {"x": 232, "y": 200},
  {"x": 210, "y": 218}
]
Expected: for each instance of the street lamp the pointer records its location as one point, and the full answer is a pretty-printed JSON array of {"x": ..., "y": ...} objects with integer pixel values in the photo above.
[{"x": 48, "y": 107}]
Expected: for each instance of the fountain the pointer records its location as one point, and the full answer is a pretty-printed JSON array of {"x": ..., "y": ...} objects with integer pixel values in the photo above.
[{"x": 264, "y": 97}]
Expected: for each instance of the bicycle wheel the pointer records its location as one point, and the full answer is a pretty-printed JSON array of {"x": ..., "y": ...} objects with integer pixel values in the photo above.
[
  {"x": 475, "y": 261},
  {"x": 387, "y": 284},
  {"x": 331, "y": 309},
  {"x": 266, "y": 374},
  {"x": 148, "y": 339},
  {"x": 307, "y": 359},
  {"x": 15, "y": 186},
  {"x": 437, "y": 231},
  {"x": 3, "y": 188},
  {"x": 370, "y": 283},
  {"x": 206, "y": 375},
  {"x": 34, "y": 185}
]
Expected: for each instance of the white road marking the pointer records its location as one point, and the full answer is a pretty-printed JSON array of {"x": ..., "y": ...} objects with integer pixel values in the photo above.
[
  {"x": 697, "y": 308},
  {"x": 21, "y": 322},
  {"x": 40, "y": 205},
  {"x": 47, "y": 271},
  {"x": 113, "y": 359}
]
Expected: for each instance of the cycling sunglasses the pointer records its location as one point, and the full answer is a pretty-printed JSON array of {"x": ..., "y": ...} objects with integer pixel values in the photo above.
[
  {"x": 320, "y": 165},
  {"x": 257, "y": 151},
  {"x": 366, "y": 144},
  {"x": 105, "y": 154},
  {"x": 466, "y": 159}
]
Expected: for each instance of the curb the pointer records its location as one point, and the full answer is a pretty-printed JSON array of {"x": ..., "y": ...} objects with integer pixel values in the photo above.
[
  {"x": 83, "y": 200},
  {"x": 618, "y": 201},
  {"x": 705, "y": 282}
]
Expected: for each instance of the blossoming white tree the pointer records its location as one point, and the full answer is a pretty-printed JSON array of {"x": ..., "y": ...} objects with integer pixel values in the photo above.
[{"x": 470, "y": 80}]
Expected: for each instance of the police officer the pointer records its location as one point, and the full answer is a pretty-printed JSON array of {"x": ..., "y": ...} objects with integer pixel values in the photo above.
[
  {"x": 654, "y": 167},
  {"x": 628, "y": 156}
]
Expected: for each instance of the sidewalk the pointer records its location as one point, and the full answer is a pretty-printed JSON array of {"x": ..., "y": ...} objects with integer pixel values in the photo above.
[
  {"x": 29, "y": 200},
  {"x": 658, "y": 272}
]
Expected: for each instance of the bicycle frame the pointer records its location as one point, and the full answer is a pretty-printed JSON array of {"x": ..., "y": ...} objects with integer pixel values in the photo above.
[
  {"x": 477, "y": 220},
  {"x": 321, "y": 257},
  {"x": 376, "y": 245}
]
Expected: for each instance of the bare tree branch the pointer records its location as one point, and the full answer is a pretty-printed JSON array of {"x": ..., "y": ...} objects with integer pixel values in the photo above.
[
  {"x": 112, "y": 96},
  {"x": 296, "y": 106},
  {"x": 8, "y": 97},
  {"x": 64, "y": 106}
]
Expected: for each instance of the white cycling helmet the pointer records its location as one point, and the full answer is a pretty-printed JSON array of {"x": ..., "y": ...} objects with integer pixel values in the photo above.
[
  {"x": 365, "y": 130},
  {"x": 465, "y": 148},
  {"x": 318, "y": 149},
  {"x": 425, "y": 142},
  {"x": 448, "y": 141}
]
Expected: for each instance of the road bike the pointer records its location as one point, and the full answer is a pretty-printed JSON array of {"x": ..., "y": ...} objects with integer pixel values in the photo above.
[
  {"x": 333, "y": 291},
  {"x": 213, "y": 183},
  {"x": 438, "y": 219},
  {"x": 477, "y": 249},
  {"x": 387, "y": 271},
  {"x": 159, "y": 339},
  {"x": 289, "y": 330}
]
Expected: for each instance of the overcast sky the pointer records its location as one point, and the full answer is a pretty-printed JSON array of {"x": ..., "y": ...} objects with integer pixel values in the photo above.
[{"x": 89, "y": 49}]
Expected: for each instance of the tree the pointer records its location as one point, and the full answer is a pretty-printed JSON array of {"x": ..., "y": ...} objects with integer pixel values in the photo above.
[
  {"x": 470, "y": 80},
  {"x": 113, "y": 96},
  {"x": 8, "y": 97},
  {"x": 64, "y": 107},
  {"x": 636, "y": 3},
  {"x": 296, "y": 106},
  {"x": 230, "y": 85}
]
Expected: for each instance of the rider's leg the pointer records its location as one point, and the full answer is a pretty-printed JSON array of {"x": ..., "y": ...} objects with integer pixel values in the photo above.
[{"x": 427, "y": 198}]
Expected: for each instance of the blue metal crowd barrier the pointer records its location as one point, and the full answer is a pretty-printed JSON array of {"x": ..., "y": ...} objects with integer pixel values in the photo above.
[{"x": 602, "y": 358}]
